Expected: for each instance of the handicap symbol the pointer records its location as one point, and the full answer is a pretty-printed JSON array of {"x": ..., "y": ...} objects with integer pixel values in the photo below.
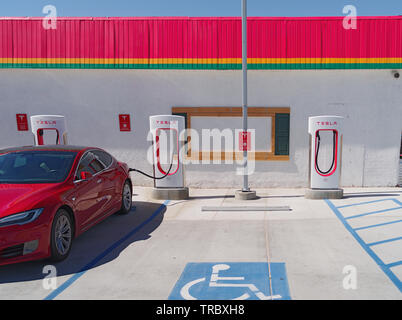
[{"x": 217, "y": 281}]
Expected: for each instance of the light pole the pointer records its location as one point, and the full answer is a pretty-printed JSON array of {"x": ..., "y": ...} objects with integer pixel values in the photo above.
[
  {"x": 245, "y": 193},
  {"x": 244, "y": 105}
]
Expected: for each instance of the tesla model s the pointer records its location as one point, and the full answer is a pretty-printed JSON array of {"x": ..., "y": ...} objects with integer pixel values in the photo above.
[{"x": 49, "y": 195}]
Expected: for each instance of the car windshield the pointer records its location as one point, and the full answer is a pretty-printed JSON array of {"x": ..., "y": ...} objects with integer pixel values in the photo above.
[{"x": 35, "y": 167}]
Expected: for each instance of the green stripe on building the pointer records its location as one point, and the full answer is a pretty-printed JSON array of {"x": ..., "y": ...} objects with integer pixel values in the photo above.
[{"x": 256, "y": 66}]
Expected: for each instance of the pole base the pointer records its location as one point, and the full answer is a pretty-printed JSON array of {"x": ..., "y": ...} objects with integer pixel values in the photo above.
[
  {"x": 245, "y": 195},
  {"x": 170, "y": 193},
  {"x": 320, "y": 194}
]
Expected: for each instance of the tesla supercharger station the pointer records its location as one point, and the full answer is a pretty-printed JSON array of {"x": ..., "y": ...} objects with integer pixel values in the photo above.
[
  {"x": 325, "y": 157},
  {"x": 168, "y": 142},
  {"x": 44, "y": 124}
]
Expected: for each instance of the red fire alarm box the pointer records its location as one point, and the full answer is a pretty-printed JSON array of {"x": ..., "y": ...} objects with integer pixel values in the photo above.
[
  {"x": 22, "y": 122},
  {"x": 125, "y": 123},
  {"x": 245, "y": 141}
]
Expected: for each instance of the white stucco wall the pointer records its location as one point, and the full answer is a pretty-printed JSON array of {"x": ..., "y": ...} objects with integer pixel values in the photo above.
[{"x": 370, "y": 100}]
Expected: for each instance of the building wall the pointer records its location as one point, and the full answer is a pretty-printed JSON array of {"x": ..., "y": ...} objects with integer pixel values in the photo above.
[{"x": 91, "y": 100}]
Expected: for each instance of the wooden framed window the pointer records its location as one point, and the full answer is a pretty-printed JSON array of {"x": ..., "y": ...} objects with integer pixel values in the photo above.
[{"x": 272, "y": 127}]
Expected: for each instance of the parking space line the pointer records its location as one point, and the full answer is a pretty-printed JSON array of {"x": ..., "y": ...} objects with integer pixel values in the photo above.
[
  {"x": 384, "y": 267},
  {"x": 362, "y": 203},
  {"x": 372, "y": 212},
  {"x": 383, "y": 241},
  {"x": 397, "y": 202},
  {"x": 377, "y": 225},
  {"x": 102, "y": 255},
  {"x": 394, "y": 264}
]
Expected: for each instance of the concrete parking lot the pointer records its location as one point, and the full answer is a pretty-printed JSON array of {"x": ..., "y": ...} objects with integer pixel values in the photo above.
[{"x": 338, "y": 249}]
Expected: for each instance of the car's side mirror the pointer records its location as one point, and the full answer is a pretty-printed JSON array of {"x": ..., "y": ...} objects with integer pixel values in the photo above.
[{"x": 85, "y": 175}]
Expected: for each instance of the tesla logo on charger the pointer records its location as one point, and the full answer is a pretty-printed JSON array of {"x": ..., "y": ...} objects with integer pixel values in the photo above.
[
  {"x": 22, "y": 122},
  {"x": 166, "y": 122},
  {"x": 52, "y": 122},
  {"x": 327, "y": 123},
  {"x": 124, "y": 122}
]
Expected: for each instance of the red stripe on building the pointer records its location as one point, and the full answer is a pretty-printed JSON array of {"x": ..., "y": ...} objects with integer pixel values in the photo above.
[{"x": 199, "y": 38}]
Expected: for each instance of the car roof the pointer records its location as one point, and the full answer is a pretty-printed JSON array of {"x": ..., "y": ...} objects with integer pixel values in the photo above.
[{"x": 47, "y": 147}]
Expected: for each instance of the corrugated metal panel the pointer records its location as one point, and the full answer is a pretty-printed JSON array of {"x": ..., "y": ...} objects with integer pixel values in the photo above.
[{"x": 190, "y": 43}]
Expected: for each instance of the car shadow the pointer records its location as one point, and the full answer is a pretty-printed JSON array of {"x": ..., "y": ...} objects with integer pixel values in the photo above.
[{"x": 99, "y": 245}]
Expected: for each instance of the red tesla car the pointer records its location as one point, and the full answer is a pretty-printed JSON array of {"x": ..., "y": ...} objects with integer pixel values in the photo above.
[{"x": 51, "y": 194}]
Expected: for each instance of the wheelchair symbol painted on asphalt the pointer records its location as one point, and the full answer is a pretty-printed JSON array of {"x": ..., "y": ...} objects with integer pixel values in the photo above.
[{"x": 232, "y": 281}]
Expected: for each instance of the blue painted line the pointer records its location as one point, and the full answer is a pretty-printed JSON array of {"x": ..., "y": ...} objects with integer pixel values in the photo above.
[
  {"x": 377, "y": 225},
  {"x": 395, "y": 280},
  {"x": 394, "y": 264},
  {"x": 102, "y": 255},
  {"x": 362, "y": 203},
  {"x": 373, "y": 212},
  {"x": 397, "y": 202},
  {"x": 383, "y": 241}
]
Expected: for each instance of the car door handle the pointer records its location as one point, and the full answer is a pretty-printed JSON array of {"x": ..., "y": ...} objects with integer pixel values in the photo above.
[{"x": 99, "y": 181}]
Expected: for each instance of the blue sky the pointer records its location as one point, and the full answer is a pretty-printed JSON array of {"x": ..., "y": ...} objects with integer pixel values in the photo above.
[{"x": 199, "y": 7}]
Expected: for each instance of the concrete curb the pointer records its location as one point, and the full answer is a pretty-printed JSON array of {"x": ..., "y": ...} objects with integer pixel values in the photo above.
[
  {"x": 242, "y": 195},
  {"x": 170, "y": 193},
  {"x": 318, "y": 194}
]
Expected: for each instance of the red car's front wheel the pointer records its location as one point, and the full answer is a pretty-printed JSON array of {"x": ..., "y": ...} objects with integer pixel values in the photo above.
[{"x": 61, "y": 236}]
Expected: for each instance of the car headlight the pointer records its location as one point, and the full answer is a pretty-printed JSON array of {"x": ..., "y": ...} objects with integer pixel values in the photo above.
[{"x": 20, "y": 218}]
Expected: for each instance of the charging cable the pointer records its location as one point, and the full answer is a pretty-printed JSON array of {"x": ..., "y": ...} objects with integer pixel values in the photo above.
[
  {"x": 333, "y": 153},
  {"x": 153, "y": 177}
]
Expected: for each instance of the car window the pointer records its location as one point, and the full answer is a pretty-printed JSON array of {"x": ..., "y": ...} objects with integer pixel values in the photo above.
[
  {"x": 20, "y": 161},
  {"x": 35, "y": 166},
  {"x": 90, "y": 163},
  {"x": 96, "y": 165},
  {"x": 104, "y": 157},
  {"x": 82, "y": 168}
]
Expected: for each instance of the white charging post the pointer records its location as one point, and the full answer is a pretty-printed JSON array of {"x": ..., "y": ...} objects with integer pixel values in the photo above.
[
  {"x": 326, "y": 137},
  {"x": 168, "y": 143},
  {"x": 42, "y": 124}
]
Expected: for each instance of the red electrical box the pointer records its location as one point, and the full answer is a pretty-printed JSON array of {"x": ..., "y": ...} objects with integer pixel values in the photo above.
[
  {"x": 245, "y": 141},
  {"x": 22, "y": 122},
  {"x": 125, "y": 123}
]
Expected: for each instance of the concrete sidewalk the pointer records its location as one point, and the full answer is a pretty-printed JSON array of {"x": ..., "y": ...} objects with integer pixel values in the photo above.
[{"x": 142, "y": 255}]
